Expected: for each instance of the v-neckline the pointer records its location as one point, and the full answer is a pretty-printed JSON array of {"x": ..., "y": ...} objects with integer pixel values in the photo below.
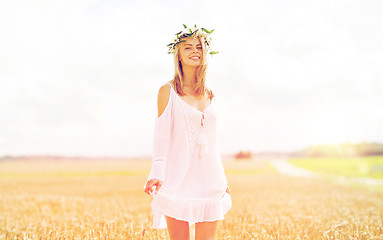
[{"x": 171, "y": 86}]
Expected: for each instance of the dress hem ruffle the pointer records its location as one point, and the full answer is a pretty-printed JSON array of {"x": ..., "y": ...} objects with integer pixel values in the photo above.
[{"x": 189, "y": 210}]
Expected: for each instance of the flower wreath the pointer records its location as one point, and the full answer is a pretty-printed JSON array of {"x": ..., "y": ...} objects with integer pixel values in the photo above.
[{"x": 202, "y": 32}]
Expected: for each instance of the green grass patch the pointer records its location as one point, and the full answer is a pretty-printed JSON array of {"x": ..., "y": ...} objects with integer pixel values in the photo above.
[{"x": 371, "y": 166}]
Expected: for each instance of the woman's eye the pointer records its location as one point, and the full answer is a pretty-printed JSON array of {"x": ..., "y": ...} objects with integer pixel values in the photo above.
[
  {"x": 199, "y": 47},
  {"x": 187, "y": 48}
]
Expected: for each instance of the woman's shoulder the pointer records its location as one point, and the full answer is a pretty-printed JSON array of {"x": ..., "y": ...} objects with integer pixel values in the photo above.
[
  {"x": 165, "y": 87},
  {"x": 163, "y": 97}
]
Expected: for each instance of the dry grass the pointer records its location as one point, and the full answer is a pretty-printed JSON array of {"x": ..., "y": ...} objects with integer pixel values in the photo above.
[{"x": 104, "y": 200}]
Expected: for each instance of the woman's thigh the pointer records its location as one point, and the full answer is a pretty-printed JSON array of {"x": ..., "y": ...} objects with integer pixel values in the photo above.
[
  {"x": 205, "y": 230},
  {"x": 178, "y": 230}
]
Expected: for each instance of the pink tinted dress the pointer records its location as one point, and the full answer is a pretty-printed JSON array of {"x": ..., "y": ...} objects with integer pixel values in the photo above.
[{"x": 186, "y": 158}]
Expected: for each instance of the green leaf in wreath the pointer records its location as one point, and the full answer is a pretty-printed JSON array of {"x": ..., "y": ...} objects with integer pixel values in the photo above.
[
  {"x": 212, "y": 52},
  {"x": 205, "y": 30},
  {"x": 185, "y": 26}
]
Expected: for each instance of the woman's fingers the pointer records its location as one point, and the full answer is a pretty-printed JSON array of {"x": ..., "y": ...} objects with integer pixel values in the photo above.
[
  {"x": 159, "y": 184},
  {"x": 228, "y": 190},
  {"x": 153, "y": 185},
  {"x": 149, "y": 185}
]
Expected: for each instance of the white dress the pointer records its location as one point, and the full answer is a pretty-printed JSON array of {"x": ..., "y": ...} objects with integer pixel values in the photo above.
[{"x": 186, "y": 158}]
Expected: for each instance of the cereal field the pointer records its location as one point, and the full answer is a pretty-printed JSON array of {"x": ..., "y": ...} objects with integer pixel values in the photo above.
[{"x": 104, "y": 199}]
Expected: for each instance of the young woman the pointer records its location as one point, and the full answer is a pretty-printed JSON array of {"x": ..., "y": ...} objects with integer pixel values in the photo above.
[{"x": 187, "y": 179}]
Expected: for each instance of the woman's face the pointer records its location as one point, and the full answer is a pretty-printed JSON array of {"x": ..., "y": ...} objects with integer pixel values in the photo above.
[{"x": 191, "y": 52}]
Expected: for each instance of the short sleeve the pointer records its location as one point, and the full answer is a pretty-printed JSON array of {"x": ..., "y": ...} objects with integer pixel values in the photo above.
[{"x": 161, "y": 141}]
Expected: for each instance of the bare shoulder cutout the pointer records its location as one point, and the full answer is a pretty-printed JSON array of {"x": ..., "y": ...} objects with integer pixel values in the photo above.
[{"x": 163, "y": 98}]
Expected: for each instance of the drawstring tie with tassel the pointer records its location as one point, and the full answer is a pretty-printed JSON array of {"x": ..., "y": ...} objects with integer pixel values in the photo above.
[{"x": 202, "y": 139}]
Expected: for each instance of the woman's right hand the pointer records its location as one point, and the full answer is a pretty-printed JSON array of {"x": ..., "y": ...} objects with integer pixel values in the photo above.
[{"x": 153, "y": 185}]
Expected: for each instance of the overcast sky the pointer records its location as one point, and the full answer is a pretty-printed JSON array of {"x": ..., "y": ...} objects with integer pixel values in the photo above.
[{"x": 81, "y": 77}]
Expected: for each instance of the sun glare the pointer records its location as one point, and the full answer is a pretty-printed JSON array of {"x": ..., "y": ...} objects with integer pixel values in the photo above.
[{"x": 333, "y": 127}]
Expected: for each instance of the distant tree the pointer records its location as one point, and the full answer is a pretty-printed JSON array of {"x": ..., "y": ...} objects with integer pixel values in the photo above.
[{"x": 241, "y": 155}]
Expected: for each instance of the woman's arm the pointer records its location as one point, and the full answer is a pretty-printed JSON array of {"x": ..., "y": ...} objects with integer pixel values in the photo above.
[{"x": 161, "y": 141}]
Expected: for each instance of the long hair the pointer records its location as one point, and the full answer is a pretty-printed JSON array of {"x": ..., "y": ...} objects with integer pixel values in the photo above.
[{"x": 200, "y": 88}]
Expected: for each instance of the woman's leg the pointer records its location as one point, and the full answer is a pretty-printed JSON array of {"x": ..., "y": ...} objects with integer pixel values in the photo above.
[
  {"x": 178, "y": 230},
  {"x": 205, "y": 230}
]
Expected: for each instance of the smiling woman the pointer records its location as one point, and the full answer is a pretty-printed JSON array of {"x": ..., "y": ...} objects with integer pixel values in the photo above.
[
  {"x": 191, "y": 49},
  {"x": 187, "y": 179},
  {"x": 190, "y": 60}
]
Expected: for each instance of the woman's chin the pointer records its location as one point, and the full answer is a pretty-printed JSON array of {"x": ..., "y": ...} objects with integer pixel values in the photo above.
[{"x": 194, "y": 63}]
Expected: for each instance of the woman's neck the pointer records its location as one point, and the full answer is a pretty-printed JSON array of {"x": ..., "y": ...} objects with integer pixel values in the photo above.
[{"x": 189, "y": 76}]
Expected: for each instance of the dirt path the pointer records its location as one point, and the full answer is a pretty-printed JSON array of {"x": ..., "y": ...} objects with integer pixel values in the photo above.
[{"x": 284, "y": 167}]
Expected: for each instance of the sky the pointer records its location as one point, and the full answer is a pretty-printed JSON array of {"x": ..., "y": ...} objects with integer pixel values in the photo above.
[{"x": 81, "y": 77}]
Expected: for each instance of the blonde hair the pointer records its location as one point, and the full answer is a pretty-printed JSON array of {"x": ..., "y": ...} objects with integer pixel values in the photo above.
[{"x": 200, "y": 87}]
